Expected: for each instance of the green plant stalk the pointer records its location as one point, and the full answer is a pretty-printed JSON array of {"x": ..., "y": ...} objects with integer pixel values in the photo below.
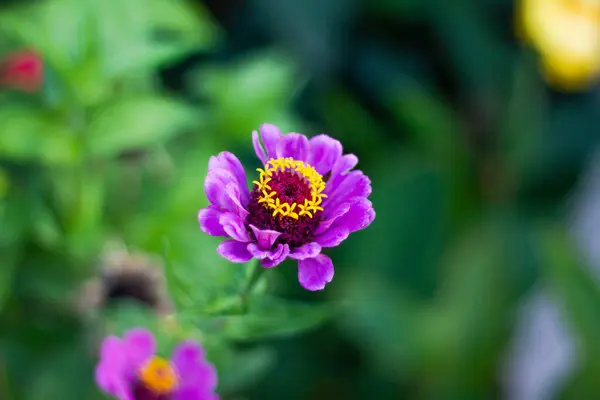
[{"x": 254, "y": 278}]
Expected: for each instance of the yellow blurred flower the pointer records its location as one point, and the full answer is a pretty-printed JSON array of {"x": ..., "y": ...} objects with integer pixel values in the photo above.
[{"x": 566, "y": 33}]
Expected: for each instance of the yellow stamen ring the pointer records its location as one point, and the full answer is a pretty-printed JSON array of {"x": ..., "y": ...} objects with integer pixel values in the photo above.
[
  {"x": 284, "y": 209},
  {"x": 159, "y": 376}
]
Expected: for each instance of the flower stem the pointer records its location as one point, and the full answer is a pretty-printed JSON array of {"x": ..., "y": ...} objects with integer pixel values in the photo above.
[{"x": 251, "y": 283}]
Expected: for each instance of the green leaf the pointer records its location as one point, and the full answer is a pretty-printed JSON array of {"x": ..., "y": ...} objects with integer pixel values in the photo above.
[
  {"x": 431, "y": 123},
  {"x": 130, "y": 32},
  {"x": 268, "y": 317},
  {"x": 136, "y": 123},
  {"x": 29, "y": 135},
  {"x": 487, "y": 272},
  {"x": 4, "y": 184},
  {"x": 407, "y": 255},
  {"x": 45, "y": 226},
  {"x": 13, "y": 219},
  {"x": 244, "y": 368},
  {"x": 382, "y": 320},
  {"x": 256, "y": 89},
  {"x": 565, "y": 271},
  {"x": 193, "y": 25},
  {"x": 10, "y": 258},
  {"x": 198, "y": 277},
  {"x": 55, "y": 27},
  {"x": 123, "y": 317},
  {"x": 526, "y": 118}
]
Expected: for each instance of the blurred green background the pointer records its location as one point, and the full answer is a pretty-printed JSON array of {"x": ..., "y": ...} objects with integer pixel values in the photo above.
[{"x": 473, "y": 159}]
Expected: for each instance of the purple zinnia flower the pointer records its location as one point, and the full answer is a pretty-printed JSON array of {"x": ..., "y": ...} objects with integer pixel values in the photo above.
[
  {"x": 305, "y": 198},
  {"x": 129, "y": 370}
]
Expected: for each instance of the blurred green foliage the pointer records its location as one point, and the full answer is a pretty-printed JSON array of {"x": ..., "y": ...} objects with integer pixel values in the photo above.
[{"x": 471, "y": 157}]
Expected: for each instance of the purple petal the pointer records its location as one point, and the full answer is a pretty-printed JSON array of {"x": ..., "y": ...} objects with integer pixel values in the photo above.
[
  {"x": 188, "y": 393},
  {"x": 333, "y": 237},
  {"x": 230, "y": 162},
  {"x": 342, "y": 166},
  {"x": 353, "y": 184},
  {"x": 108, "y": 379},
  {"x": 233, "y": 225},
  {"x": 309, "y": 250},
  {"x": 111, "y": 349},
  {"x": 277, "y": 252},
  {"x": 111, "y": 372},
  {"x": 360, "y": 215},
  {"x": 315, "y": 273},
  {"x": 215, "y": 186},
  {"x": 333, "y": 215},
  {"x": 270, "y": 135},
  {"x": 196, "y": 375},
  {"x": 257, "y": 252},
  {"x": 260, "y": 152},
  {"x": 209, "y": 221},
  {"x": 140, "y": 346},
  {"x": 233, "y": 193},
  {"x": 265, "y": 237},
  {"x": 187, "y": 354},
  {"x": 324, "y": 152},
  {"x": 293, "y": 145},
  {"x": 194, "y": 393},
  {"x": 277, "y": 256},
  {"x": 234, "y": 251}
]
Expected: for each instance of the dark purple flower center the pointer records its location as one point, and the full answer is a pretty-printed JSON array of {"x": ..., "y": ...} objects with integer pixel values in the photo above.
[
  {"x": 287, "y": 198},
  {"x": 141, "y": 392}
]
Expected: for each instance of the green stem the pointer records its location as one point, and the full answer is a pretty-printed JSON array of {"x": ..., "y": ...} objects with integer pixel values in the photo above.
[
  {"x": 6, "y": 382},
  {"x": 251, "y": 283}
]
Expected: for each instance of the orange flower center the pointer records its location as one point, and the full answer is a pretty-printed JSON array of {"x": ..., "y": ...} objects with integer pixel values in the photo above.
[{"x": 159, "y": 376}]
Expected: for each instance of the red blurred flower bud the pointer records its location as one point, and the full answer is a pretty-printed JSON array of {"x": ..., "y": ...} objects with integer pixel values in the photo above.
[{"x": 22, "y": 70}]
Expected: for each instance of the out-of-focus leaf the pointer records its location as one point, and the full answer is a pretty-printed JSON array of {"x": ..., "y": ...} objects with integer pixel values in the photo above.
[
  {"x": 397, "y": 9},
  {"x": 475, "y": 50},
  {"x": 35, "y": 24},
  {"x": 123, "y": 317},
  {"x": 124, "y": 35},
  {"x": 562, "y": 152},
  {"x": 84, "y": 216},
  {"x": 580, "y": 294},
  {"x": 244, "y": 368},
  {"x": 346, "y": 116},
  {"x": 526, "y": 118},
  {"x": 431, "y": 123},
  {"x": 135, "y": 123},
  {"x": 10, "y": 258},
  {"x": 45, "y": 225},
  {"x": 383, "y": 320},
  {"x": 488, "y": 270},
  {"x": 49, "y": 379},
  {"x": 48, "y": 276},
  {"x": 13, "y": 219},
  {"x": 256, "y": 90},
  {"x": 4, "y": 184},
  {"x": 26, "y": 134},
  {"x": 408, "y": 240},
  {"x": 190, "y": 23},
  {"x": 268, "y": 317},
  {"x": 137, "y": 34}
]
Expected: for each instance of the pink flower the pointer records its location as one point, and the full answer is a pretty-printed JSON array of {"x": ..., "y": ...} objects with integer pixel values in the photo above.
[
  {"x": 306, "y": 198},
  {"x": 22, "y": 70}
]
